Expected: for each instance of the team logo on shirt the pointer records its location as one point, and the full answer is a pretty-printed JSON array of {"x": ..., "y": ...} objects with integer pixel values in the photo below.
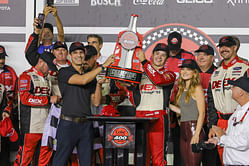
[{"x": 120, "y": 136}]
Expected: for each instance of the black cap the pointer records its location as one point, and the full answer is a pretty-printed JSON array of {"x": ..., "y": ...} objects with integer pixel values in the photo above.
[
  {"x": 90, "y": 51},
  {"x": 174, "y": 41},
  {"x": 160, "y": 47},
  {"x": 60, "y": 44},
  {"x": 242, "y": 82},
  {"x": 49, "y": 26},
  {"x": 49, "y": 58},
  {"x": 76, "y": 46},
  {"x": 207, "y": 49},
  {"x": 189, "y": 63},
  {"x": 2, "y": 52},
  {"x": 226, "y": 41}
]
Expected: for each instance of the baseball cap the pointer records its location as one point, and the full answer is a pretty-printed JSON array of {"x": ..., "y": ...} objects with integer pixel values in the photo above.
[
  {"x": 109, "y": 110},
  {"x": 76, "y": 46},
  {"x": 7, "y": 130},
  {"x": 2, "y": 52},
  {"x": 60, "y": 44},
  {"x": 90, "y": 51},
  {"x": 207, "y": 49},
  {"x": 49, "y": 26},
  {"x": 226, "y": 41},
  {"x": 189, "y": 63},
  {"x": 174, "y": 41},
  {"x": 242, "y": 82},
  {"x": 49, "y": 58},
  {"x": 160, "y": 47}
]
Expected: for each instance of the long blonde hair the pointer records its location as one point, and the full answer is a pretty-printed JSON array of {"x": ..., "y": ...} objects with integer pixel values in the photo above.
[{"x": 194, "y": 82}]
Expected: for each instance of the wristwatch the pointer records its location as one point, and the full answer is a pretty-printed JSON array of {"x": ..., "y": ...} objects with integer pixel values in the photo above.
[{"x": 103, "y": 68}]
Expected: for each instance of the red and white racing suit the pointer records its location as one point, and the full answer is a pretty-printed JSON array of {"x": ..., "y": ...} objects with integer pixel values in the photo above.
[
  {"x": 34, "y": 93},
  {"x": 221, "y": 105},
  {"x": 205, "y": 79},
  {"x": 152, "y": 99},
  {"x": 8, "y": 78}
]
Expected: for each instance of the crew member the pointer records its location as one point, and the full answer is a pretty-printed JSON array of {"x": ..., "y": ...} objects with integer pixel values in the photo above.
[
  {"x": 35, "y": 99},
  {"x": 220, "y": 102}
]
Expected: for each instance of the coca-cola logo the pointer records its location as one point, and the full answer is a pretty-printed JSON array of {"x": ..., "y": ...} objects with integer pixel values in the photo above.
[
  {"x": 149, "y": 2},
  {"x": 128, "y": 40}
]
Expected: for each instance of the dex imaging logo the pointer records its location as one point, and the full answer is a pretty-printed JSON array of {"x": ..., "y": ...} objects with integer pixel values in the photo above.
[
  {"x": 105, "y": 2},
  {"x": 149, "y": 2}
]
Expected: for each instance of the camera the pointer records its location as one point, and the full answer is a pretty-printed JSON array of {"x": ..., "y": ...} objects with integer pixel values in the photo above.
[
  {"x": 41, "y": 17},
  {"x": 50, "y": 2},
  {"x": 197, "y": 148}
]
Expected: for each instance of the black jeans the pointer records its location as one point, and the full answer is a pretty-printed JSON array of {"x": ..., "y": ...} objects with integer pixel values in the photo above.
[{"x": 70, "y": 134}]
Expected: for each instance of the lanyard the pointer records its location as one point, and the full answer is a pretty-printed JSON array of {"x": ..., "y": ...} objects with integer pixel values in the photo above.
[{"x": 241, "y": 120}]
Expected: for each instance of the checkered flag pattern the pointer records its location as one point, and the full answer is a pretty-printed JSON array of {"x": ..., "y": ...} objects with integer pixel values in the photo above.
[
  {"x": 186, "y": 32},
  {"x": 50, "y": 128}
]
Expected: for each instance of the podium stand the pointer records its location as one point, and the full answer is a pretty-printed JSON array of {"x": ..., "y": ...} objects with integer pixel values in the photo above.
[{"x": 122, "y": 135}]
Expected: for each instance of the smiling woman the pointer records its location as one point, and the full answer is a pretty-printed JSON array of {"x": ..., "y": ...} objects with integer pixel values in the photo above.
[{"x": 190, "y": 103}]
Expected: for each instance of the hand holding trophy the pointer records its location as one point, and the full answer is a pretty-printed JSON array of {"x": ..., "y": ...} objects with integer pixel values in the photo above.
[{"x": 127, "y": 65}]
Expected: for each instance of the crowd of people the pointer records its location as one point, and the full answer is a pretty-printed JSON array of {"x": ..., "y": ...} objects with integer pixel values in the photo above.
[{"x": 43, "y": 111}]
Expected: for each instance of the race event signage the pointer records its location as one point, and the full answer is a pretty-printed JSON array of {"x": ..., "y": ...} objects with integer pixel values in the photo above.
[{"x": 120, "y": 135}]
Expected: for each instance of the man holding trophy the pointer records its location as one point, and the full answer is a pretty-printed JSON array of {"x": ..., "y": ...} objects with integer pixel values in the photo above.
[
  {"x": 151, "y": 98},
  {"x": 149, "y": 90}
]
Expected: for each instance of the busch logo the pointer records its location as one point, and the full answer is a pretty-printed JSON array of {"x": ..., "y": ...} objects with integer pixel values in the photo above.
[
  {"x": 195, "y": 1},
  {"x": 148, "y": 2},
  {"x": 105, "y": 2},
  {"x": 234, "y": 2}
]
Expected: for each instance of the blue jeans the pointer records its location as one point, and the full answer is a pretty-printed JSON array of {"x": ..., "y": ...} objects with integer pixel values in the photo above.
[{"x": 70, "y": 134}]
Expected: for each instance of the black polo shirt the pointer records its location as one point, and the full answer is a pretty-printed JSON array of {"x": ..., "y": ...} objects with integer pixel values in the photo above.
[{"x": 76, "y": 98}]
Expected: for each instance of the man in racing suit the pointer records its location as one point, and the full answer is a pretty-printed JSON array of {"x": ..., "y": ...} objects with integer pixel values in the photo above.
[
  {"x": 4, "y": 153},
  {"x": 8, "y": 78},
  {"x": 220, "y": 102},
  {"x": 151, "y": 98},
  {"x": 35, "y": 99}
]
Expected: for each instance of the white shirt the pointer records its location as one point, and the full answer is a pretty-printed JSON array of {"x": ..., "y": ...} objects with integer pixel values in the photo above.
[{"x": 236, "y": 140}]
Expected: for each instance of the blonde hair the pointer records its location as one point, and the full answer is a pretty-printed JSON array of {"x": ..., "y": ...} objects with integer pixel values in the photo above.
[{"x": 194, "y": 82}]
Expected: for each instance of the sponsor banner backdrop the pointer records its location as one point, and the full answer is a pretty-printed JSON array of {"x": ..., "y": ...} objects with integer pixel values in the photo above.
[
  {"x": 13, "y": 12},
  {"x": 116, "y": 13}
]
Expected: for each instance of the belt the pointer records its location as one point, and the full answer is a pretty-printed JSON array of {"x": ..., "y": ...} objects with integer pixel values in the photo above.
[
  {"x": 74, "y": 119},
  {"x": 224, "y": 116}
]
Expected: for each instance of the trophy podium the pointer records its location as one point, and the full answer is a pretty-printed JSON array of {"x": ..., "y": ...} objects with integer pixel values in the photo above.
[{"x": 127, "y": 66}]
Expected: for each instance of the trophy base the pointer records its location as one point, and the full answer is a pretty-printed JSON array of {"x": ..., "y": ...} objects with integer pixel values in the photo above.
[{"x": 124, "y": 74}]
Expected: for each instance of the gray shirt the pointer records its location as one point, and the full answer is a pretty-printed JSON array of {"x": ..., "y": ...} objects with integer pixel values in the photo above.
[{"x": 189, "y": 111}]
